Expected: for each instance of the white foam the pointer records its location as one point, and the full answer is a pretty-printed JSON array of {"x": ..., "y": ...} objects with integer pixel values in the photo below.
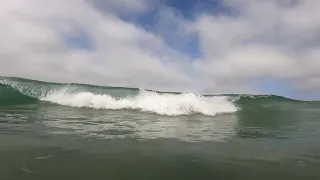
[{"x": 163, "y": 104}]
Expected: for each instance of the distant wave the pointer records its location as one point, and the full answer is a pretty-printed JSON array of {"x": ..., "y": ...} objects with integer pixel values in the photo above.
[{"x": 21, "y": 91}]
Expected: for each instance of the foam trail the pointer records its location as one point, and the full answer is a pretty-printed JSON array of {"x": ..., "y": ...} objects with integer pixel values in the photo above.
[{"x": 163, "y": 104}]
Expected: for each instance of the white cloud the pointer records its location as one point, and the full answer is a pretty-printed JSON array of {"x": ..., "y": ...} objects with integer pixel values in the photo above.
[
  {"x": 277, "y": 39},
  {"x": 34, "y": 45},
  {"x": 266, "y": 39}
]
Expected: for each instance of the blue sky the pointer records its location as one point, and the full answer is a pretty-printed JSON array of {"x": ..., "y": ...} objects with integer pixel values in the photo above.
[{"x": 208, "y": 46}]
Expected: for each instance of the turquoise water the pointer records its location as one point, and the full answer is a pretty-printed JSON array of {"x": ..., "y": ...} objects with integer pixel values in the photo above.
[{"x": 73, "y": 131}]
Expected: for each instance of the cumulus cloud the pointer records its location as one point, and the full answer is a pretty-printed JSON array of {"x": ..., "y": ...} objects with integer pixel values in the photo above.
[
  {"x": 275, "y": 39},
  {"x": 36, "y": 37},
  {"x": 88, "y": 42}
]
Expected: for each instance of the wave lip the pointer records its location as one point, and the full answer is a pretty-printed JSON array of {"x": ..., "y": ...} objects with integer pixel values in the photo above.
[{"x": 162, "y": 104}]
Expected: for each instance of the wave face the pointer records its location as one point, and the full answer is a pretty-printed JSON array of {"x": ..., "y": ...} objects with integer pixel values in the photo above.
[{"x": 21, "y": 91}]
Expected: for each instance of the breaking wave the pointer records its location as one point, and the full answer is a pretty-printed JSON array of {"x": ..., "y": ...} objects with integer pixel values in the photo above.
[
  {"x": 15, "y": 91},
  {"x": 163, "y": 104}
]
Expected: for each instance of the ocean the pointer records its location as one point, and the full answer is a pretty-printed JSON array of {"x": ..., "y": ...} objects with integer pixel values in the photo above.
[{"x": 75, "y": 131}]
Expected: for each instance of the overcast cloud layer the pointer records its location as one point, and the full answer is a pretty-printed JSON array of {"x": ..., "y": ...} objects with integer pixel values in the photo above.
[{"x": 87, "y": 42}]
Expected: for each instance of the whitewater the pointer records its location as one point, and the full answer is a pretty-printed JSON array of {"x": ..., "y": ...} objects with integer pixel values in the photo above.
[{"x": 144, "y": 101}]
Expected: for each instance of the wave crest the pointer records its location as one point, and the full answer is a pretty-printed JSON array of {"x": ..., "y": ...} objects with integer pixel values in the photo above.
[{"x": 163, "y": 104}]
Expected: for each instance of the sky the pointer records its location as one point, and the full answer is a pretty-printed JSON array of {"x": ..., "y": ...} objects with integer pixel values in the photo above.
[{"x": 208, "y": 46}]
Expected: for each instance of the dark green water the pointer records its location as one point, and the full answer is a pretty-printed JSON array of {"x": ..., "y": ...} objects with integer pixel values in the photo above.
[{"x": 71, "y": 131}]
